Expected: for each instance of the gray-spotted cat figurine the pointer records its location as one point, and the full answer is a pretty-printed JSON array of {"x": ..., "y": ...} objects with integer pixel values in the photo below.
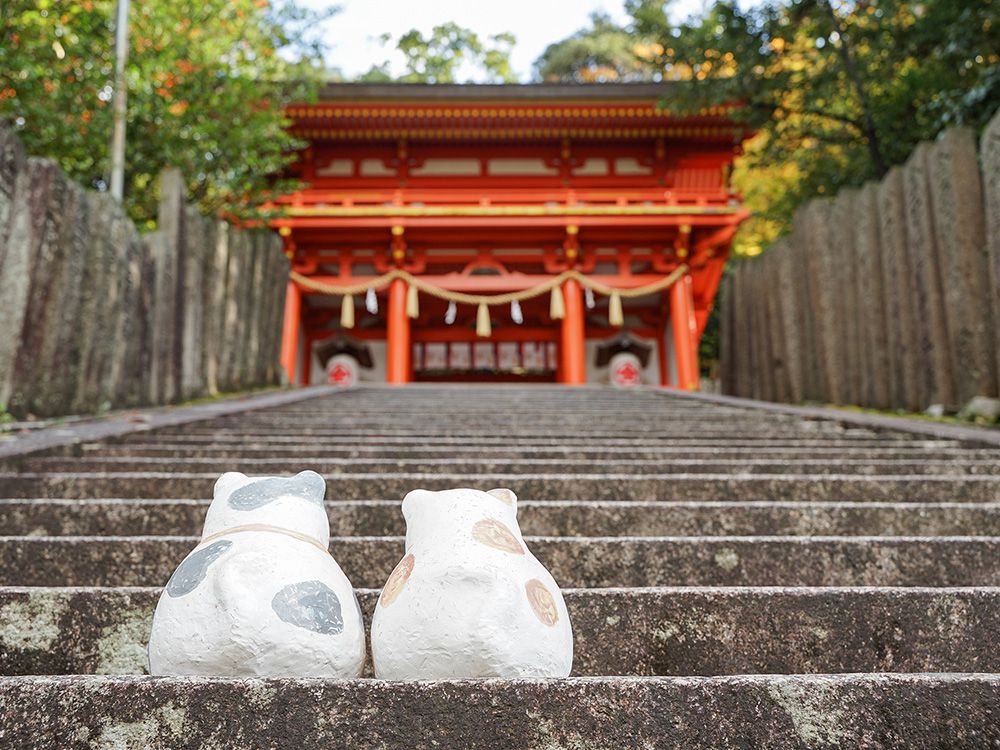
[{"x": 260, "y": 596}]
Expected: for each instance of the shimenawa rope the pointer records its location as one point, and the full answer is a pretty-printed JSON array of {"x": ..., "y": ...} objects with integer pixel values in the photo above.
[{"x": 484, "y": 301}]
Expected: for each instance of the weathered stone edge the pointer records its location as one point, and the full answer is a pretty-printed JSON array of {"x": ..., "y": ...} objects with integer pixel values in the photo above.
[
  {"x": 774, "y": 711},
  {"x": 132, "y": 421},
  {"x": 622, "y": 632},
  {"x": 980, "y": 435}
]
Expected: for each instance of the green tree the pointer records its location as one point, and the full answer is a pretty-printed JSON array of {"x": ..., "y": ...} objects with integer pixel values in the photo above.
[
  {"x": 449, "y": 52},
  {"x": 836, "y": 92},
  {"x": 207, "y": 83},
  {"x": 603, "y": 52}
]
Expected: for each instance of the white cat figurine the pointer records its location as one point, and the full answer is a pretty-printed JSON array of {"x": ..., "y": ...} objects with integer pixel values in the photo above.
[
  {"x": 260, "y": 596},
  {"x": 468, "y": 599}
]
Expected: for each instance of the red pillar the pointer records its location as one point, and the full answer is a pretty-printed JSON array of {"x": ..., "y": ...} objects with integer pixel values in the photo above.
[
  {"x": 685, "y": 333},
  {"x": 397, "y": 343},
  {"x": 572, "y": 351},
  {"x": 290, "y": 331}
]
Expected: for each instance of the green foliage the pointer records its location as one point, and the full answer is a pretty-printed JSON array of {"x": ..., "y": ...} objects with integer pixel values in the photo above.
[
  {"x": 837, "y": 92},
  {"x": 604, "y": 52},
  {"x": 709, "y": 344},
  {"x": 206, "y": 85},
  {"x": 447, "y": 53}
]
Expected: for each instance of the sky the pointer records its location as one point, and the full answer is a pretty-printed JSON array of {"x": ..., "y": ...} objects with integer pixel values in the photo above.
[{"x": 354, "y": 31}]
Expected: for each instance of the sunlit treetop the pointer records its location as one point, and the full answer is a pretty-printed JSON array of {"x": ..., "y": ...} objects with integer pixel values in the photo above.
[{"x": 449, "y": 54}]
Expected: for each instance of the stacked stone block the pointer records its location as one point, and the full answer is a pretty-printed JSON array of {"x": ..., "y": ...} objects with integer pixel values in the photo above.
[
  {"x": 97, "y": 316},
  {"x": 990, "y": 156},
  {"x": 889, "y": 295}
]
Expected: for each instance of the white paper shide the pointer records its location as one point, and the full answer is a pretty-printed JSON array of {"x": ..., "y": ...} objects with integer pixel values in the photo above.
[
  {"x": 260, "y": 595},
  {"x": 468, "y": 599}
]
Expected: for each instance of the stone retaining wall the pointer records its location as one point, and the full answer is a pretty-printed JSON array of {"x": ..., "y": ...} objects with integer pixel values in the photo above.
[
  {"x": 886, "y": 296},
  {"x": 95, "y": 315}
]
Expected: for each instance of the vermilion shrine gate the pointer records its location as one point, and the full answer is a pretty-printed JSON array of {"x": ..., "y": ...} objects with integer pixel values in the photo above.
[{"x": 498, "y": 189}]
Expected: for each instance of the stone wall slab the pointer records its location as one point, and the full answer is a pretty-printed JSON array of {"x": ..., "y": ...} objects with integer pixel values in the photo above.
[{"x": 98, "y": 316}]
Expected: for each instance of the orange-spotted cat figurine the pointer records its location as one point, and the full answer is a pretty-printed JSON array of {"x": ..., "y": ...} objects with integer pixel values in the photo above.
[{"x": 469, "y": 599}]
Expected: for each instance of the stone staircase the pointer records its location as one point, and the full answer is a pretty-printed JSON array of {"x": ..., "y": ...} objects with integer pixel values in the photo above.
[{"x": 736, "y": 577}]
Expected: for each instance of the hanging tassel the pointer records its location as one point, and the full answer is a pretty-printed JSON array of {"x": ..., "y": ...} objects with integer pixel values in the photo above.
[
  {"x": 588, "y": 296},
  {"x": 556, "y": 307},
  {"x": 347, "y": 312},
  {"x": 615, "y": 315},
  {"x": 450, "y": 314},
  {"x": 483, "y": 327},
  {"x": 371, "y": 302},
  {"x": 412, "y": 303},
  {"x": 515, "y": 312}
]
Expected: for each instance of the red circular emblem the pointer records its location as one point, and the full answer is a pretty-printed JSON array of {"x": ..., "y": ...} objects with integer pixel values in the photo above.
[
  {"x": 341, "y": 375},
  {"x": 626, "y": 374}
]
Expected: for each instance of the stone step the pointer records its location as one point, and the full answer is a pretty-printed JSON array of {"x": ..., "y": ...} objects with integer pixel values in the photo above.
[
  {"x": 520, "y": 465},
  {"x": 535, "y": 486},
  {"x": 363, "y": 414},
  {"x": 239, "y": 449},
  {"x": 434, "y": 421},
  {"x": 184, "y": 517},
  {"x": 373, "y": 407},
  {"x": 373, "y": 404},
  {"x": 367, "y": 414},
  {"x": 534, "y": 431},
  {"x": 645, "y": 631},
  {"x": 573, "y": 561},
  {"x": 773, "y": 711},
  {"x": 636, "y": 423},
  {"x": 373, "y": 411},
  {"x": 545, "y": 439}
]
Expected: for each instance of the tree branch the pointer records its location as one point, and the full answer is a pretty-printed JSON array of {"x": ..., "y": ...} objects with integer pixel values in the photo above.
[
  {"x": 844, "y": 119},
  {"x": 874, "y": 147},
  {"x": 854, "y": 123}
]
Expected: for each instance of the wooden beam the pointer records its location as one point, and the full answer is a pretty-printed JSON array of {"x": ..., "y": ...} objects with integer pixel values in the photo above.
[{"x": 493, "y": 284}]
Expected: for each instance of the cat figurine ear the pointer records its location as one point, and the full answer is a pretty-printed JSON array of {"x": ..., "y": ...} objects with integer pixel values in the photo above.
[
  {"x": 469, "y": 599},
  {"x": 292, "y": 503},
  {"x": 505, "y": 496},
  {"x": 260, "y": 596}
]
